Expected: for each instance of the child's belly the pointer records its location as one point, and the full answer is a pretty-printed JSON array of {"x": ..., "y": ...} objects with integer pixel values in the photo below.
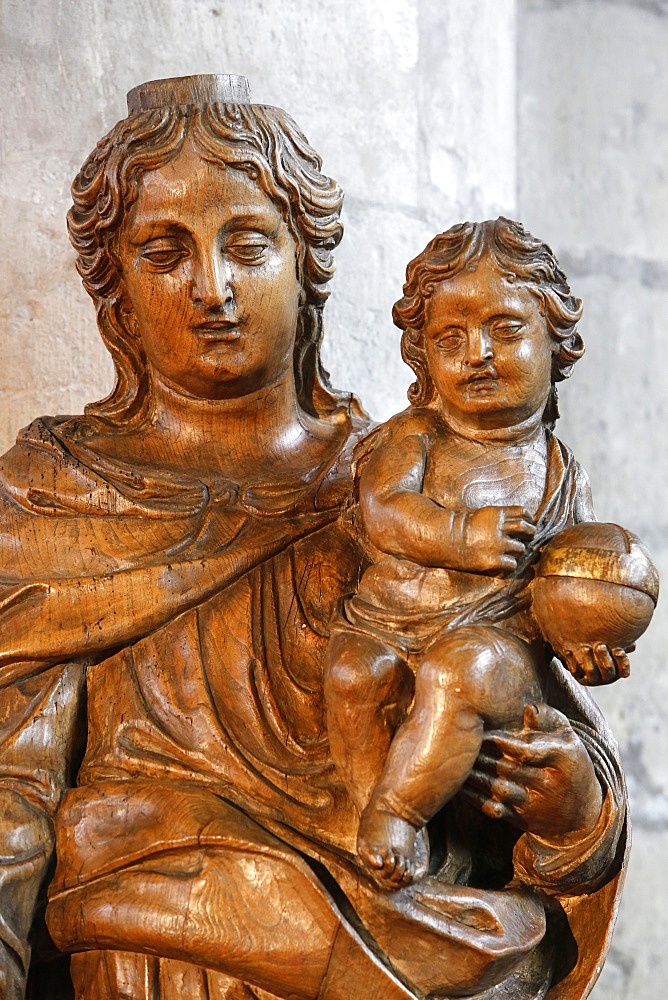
[{"x": 400, "y": 585}]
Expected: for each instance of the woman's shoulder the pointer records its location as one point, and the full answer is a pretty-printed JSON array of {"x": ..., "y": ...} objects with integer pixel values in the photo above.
[
  {"x": 39, "y": 468},
  {"x": 55, "y": 468}
]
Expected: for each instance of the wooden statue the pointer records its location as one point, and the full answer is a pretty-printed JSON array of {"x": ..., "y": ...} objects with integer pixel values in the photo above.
[{"x": 278, "y": 713}]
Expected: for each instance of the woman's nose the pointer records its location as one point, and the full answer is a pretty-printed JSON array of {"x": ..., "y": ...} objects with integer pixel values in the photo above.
[
  {"x": 212, "y": 280},
  {"x": 479, "y": 346}
]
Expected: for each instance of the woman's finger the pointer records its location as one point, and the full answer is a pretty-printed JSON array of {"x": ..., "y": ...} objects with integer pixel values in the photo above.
[
  {"x": 500, "y": 789},
  {"x": 490, "y": 762},
  {"x": 490, "y": 807},
  {"x": 539, "y": 717},
  {"x": 524, "y": 775},
  {"x": 531, "y": 749},
  {"x": 544, "y": 729}
]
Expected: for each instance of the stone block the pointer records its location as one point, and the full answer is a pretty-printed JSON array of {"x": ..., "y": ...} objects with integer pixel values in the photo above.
[{"x": 593, "y": 123}]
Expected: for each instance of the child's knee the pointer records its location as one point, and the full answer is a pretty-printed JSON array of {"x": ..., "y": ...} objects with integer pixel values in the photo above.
[
  {"x": 488, "y": 669},
  {"x": 361, "y": 668}
]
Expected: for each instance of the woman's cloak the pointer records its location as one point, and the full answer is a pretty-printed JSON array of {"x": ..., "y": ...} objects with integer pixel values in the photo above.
[{"x": 161, "y": 692}]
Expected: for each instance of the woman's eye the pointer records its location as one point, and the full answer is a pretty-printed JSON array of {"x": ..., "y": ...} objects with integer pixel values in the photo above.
[
  {"x": 248, "y": 249},
  {"x": 163, "y": 258}
]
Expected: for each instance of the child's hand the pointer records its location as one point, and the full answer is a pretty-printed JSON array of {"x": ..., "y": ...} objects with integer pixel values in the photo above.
[
  {"x": 495, "y": 538},
  {"x": 596, "y": 664}
]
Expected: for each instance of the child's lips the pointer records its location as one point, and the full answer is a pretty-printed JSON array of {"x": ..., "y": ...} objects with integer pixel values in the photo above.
[{"x": 488, "y": 377}]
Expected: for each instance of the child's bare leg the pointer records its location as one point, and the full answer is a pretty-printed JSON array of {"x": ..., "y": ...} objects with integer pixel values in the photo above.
[
  {"x": 474, "y": 676},
  {"x": 368, "y": 688}
]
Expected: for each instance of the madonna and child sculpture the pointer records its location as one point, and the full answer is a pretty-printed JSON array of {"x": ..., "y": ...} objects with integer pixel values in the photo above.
[{"x": 293, "y": 707}]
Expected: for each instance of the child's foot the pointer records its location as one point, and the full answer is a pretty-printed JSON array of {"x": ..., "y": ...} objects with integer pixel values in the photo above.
[{"x": 387, "y": 846}]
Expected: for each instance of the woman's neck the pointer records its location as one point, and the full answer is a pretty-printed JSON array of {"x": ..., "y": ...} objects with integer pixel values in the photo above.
[{"x": 244, "y": 437}]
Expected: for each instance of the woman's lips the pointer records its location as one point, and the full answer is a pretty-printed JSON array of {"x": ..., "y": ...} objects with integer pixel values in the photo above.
[{"x": 219, "y": 329}]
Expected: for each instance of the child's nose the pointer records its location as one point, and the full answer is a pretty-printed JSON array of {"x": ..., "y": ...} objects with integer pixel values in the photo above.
[{"x": 480, "y": 347}]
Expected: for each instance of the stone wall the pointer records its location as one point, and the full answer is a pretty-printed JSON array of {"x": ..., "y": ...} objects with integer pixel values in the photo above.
[
  {"x": 592, "y": 178},
  {"x": 393, "y": 101},
  {"x": 427, "y": 112}
]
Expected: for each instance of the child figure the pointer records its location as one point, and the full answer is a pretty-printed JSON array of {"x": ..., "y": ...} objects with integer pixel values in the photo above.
[{"x": 456, "y": 494}]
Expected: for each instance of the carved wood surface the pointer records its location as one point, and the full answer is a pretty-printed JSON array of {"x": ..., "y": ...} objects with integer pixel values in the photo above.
[{"x": 279, "y": 711}]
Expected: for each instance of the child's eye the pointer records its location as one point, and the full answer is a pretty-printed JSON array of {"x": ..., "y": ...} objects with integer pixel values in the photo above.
[
  {"x": 507, "y": 329},
  {"x": 450, "y": 340}
]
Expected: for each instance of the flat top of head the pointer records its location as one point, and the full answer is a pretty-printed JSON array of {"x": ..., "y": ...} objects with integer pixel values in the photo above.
[{"x": 205, "y": 88}]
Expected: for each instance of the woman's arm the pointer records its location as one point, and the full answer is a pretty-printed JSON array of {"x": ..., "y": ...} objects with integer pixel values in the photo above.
[{"x": 41, "y": 739}]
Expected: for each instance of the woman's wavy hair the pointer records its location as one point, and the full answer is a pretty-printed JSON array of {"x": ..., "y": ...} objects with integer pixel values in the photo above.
[
  {"x": 520, "y": 257},
  {"x": 267, "y": 145}
]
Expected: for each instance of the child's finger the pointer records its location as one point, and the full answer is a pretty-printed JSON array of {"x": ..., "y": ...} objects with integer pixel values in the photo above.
[
  {"x": 512, "y": 545},
  {"x": 621, "y": 658},
  {"x": 507, "y": 563},
  {"x": 590, "y": 671},
  {"x": 574, "y": 666},
  {"x": 519, "y": 512},
  {"x": 595, "y": 665},
  {"x": 399, "y": 871},
  {"x": 605, "y": 663},
  {"x": 518, "y": 527}
]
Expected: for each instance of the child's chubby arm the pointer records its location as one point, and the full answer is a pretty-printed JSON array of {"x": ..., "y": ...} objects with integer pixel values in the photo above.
[
  {"x": 401, "y": 521},
  {"x": 593, "y": 664}
]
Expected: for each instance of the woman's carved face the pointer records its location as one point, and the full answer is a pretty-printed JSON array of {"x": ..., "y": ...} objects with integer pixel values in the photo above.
[{"x": 209, "y": 269}]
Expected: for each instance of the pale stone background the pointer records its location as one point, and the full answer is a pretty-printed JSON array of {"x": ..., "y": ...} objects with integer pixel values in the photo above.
[{"x": 427, "y": 112}]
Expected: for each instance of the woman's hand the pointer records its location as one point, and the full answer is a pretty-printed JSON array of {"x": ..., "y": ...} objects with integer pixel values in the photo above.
[
  {"x": 597, "y": 664},
  {"x": 540, "y": 779}
]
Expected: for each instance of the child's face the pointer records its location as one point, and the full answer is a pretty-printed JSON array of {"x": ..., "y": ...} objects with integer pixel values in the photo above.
[{"x": 488, "y": 348}]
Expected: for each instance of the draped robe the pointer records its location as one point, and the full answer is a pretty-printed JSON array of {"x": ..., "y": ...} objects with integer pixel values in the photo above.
[{"x": 162, "y": 722}]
